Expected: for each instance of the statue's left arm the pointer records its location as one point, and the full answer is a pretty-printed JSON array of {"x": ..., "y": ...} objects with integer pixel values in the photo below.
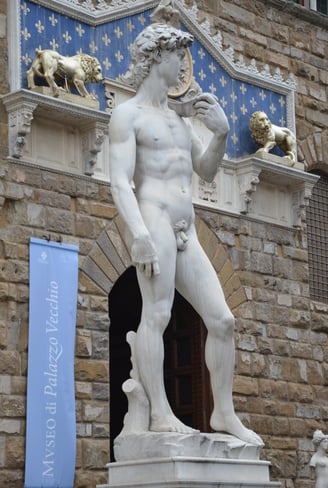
[{"x": 207, "y": 160}]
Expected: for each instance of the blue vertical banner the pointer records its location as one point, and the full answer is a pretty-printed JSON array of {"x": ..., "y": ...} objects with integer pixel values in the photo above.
[{"x": 50, "y": 425}]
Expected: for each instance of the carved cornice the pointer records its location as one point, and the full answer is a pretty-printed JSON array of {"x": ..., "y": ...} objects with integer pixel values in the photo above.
[
  {"x": 99, "y": 11},
  {"x": 236, "y": 67}
]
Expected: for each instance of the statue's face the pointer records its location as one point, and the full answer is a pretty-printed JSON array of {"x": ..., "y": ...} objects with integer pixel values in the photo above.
[
  {"x": 170, "y": 65},
  {"x": 324, "y": 445}
]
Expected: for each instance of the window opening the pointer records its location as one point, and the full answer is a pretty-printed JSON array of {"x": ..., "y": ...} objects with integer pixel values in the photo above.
[{"x": 317, "y": 234}]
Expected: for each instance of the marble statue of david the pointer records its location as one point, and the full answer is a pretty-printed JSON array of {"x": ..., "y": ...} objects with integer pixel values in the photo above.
[{"x": 157, "y": 149}]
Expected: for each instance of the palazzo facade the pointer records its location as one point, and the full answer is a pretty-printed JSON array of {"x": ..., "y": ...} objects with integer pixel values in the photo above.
[{"x": 263, "y": 223}]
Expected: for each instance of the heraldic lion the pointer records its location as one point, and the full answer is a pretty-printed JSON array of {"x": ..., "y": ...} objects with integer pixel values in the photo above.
[
  {"x": 268, "y": 135},
  {"x": 68, "y": 71}
]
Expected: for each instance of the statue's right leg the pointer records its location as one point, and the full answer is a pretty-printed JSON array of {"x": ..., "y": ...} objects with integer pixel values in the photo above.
[{"x": 157, "y": 297}]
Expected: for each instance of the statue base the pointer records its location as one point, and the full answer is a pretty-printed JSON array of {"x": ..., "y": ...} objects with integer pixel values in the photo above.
[
  {"x": 170, "y": 460},
  {"x": 189, "y": 472}
]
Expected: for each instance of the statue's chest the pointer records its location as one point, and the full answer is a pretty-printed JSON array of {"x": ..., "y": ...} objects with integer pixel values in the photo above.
[{"x": 162, "y": 129}]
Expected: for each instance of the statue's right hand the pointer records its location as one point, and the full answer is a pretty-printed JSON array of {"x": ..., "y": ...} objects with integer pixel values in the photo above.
[{"x": 144, "y": 256}]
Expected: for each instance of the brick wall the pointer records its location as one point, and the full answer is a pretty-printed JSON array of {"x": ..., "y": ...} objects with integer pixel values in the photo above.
[{"x": 280, "y": 386}]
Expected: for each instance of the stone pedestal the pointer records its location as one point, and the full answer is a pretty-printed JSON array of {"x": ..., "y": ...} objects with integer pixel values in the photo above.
[{"x": 157, "y": 460}]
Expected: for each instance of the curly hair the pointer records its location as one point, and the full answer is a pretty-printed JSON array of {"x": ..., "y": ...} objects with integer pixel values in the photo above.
[{"x": 147, "y": 48}]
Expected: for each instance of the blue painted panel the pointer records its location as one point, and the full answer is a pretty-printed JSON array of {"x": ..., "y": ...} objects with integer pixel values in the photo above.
[{"x": 109, "y": 42}]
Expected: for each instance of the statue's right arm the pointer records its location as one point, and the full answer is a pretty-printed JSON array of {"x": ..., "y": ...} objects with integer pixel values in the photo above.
[{"x": 122, "y": 162}]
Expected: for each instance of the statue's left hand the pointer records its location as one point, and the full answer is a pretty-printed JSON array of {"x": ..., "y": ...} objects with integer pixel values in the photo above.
[{"x": 210, "y": 112}]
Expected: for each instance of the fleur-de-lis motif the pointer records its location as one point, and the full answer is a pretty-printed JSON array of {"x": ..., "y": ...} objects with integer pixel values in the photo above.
[
  {"x": 118, "y": 32},
  {"x": 26, "y": 58},
  {"x": 53, "y": 20},
  {"x": 201, "y": 53},
  {"x": 253, "y": 102},
  {"x": 223, "y": 102},
  {"x": 130, "y": 25},
  {"x": 233, "y": 96},
  {"x": 233, "y": 117},
  {"x": 212, "y": 67},
  {"x": 107, "y": 63},
  {"x": 25, "y": 8},
  {"x": 39, "y": 26},
  {"x": 106, "y": 39},
  {"x": 67, "y": 38},
  {"x": 93, "y": 47},
  {"x": 119, "y": 56},
  {"x": 234, "y": 138},
  {"x": 243, "y": 88},
  {"x": 79, "y": 29},
  {"x": 202, "y": 74},
  {"x": 54, "y": 45},
  {"x": 212, "y": 88},
  {"x": 142, "y": 19},
  {"x": 25, "y": 33},
  {"x": 243, "y": 109},
  {"x": 223, "y": 81},
  {"x": 262, "y": 95}
]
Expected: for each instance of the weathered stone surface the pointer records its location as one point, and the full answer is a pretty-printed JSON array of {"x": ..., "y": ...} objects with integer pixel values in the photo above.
[{"x": 95, "y": 453}]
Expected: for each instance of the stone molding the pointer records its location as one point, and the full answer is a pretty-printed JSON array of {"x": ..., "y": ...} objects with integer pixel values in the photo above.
[
  {"x": 23, "y": 106},
  {"x": 255, "y": 186}
]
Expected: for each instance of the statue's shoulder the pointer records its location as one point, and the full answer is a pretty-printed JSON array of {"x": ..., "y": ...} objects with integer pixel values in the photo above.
[{"x": 124, "y": 113}]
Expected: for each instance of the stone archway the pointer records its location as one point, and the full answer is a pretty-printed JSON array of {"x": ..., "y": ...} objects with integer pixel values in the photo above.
[
  {"x": 109, "y": 258},
  {"x": 314, "y": 151}
]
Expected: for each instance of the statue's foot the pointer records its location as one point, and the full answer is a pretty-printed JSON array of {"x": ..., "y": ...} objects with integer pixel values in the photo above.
[
  {"x": 170, "y": 423},
  {"x": 232, "y": 425}
]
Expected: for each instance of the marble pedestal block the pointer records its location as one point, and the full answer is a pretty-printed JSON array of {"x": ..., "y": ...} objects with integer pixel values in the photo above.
[{"x": 157, "y": 460}]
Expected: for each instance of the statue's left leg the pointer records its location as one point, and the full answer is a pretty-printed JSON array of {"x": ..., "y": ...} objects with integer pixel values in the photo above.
[{"x": 198, "y": 283}]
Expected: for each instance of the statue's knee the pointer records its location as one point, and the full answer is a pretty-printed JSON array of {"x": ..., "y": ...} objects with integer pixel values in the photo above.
[
  {"x": 227, "y": 325},
  {"x": 161, "y": 318}
]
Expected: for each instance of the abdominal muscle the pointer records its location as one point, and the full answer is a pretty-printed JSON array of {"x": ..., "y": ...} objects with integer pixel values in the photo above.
[{"x": 163, "y": 174}]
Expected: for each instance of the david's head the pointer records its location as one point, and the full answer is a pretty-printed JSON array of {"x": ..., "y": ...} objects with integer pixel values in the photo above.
[{"x": 149, "y": 47}]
